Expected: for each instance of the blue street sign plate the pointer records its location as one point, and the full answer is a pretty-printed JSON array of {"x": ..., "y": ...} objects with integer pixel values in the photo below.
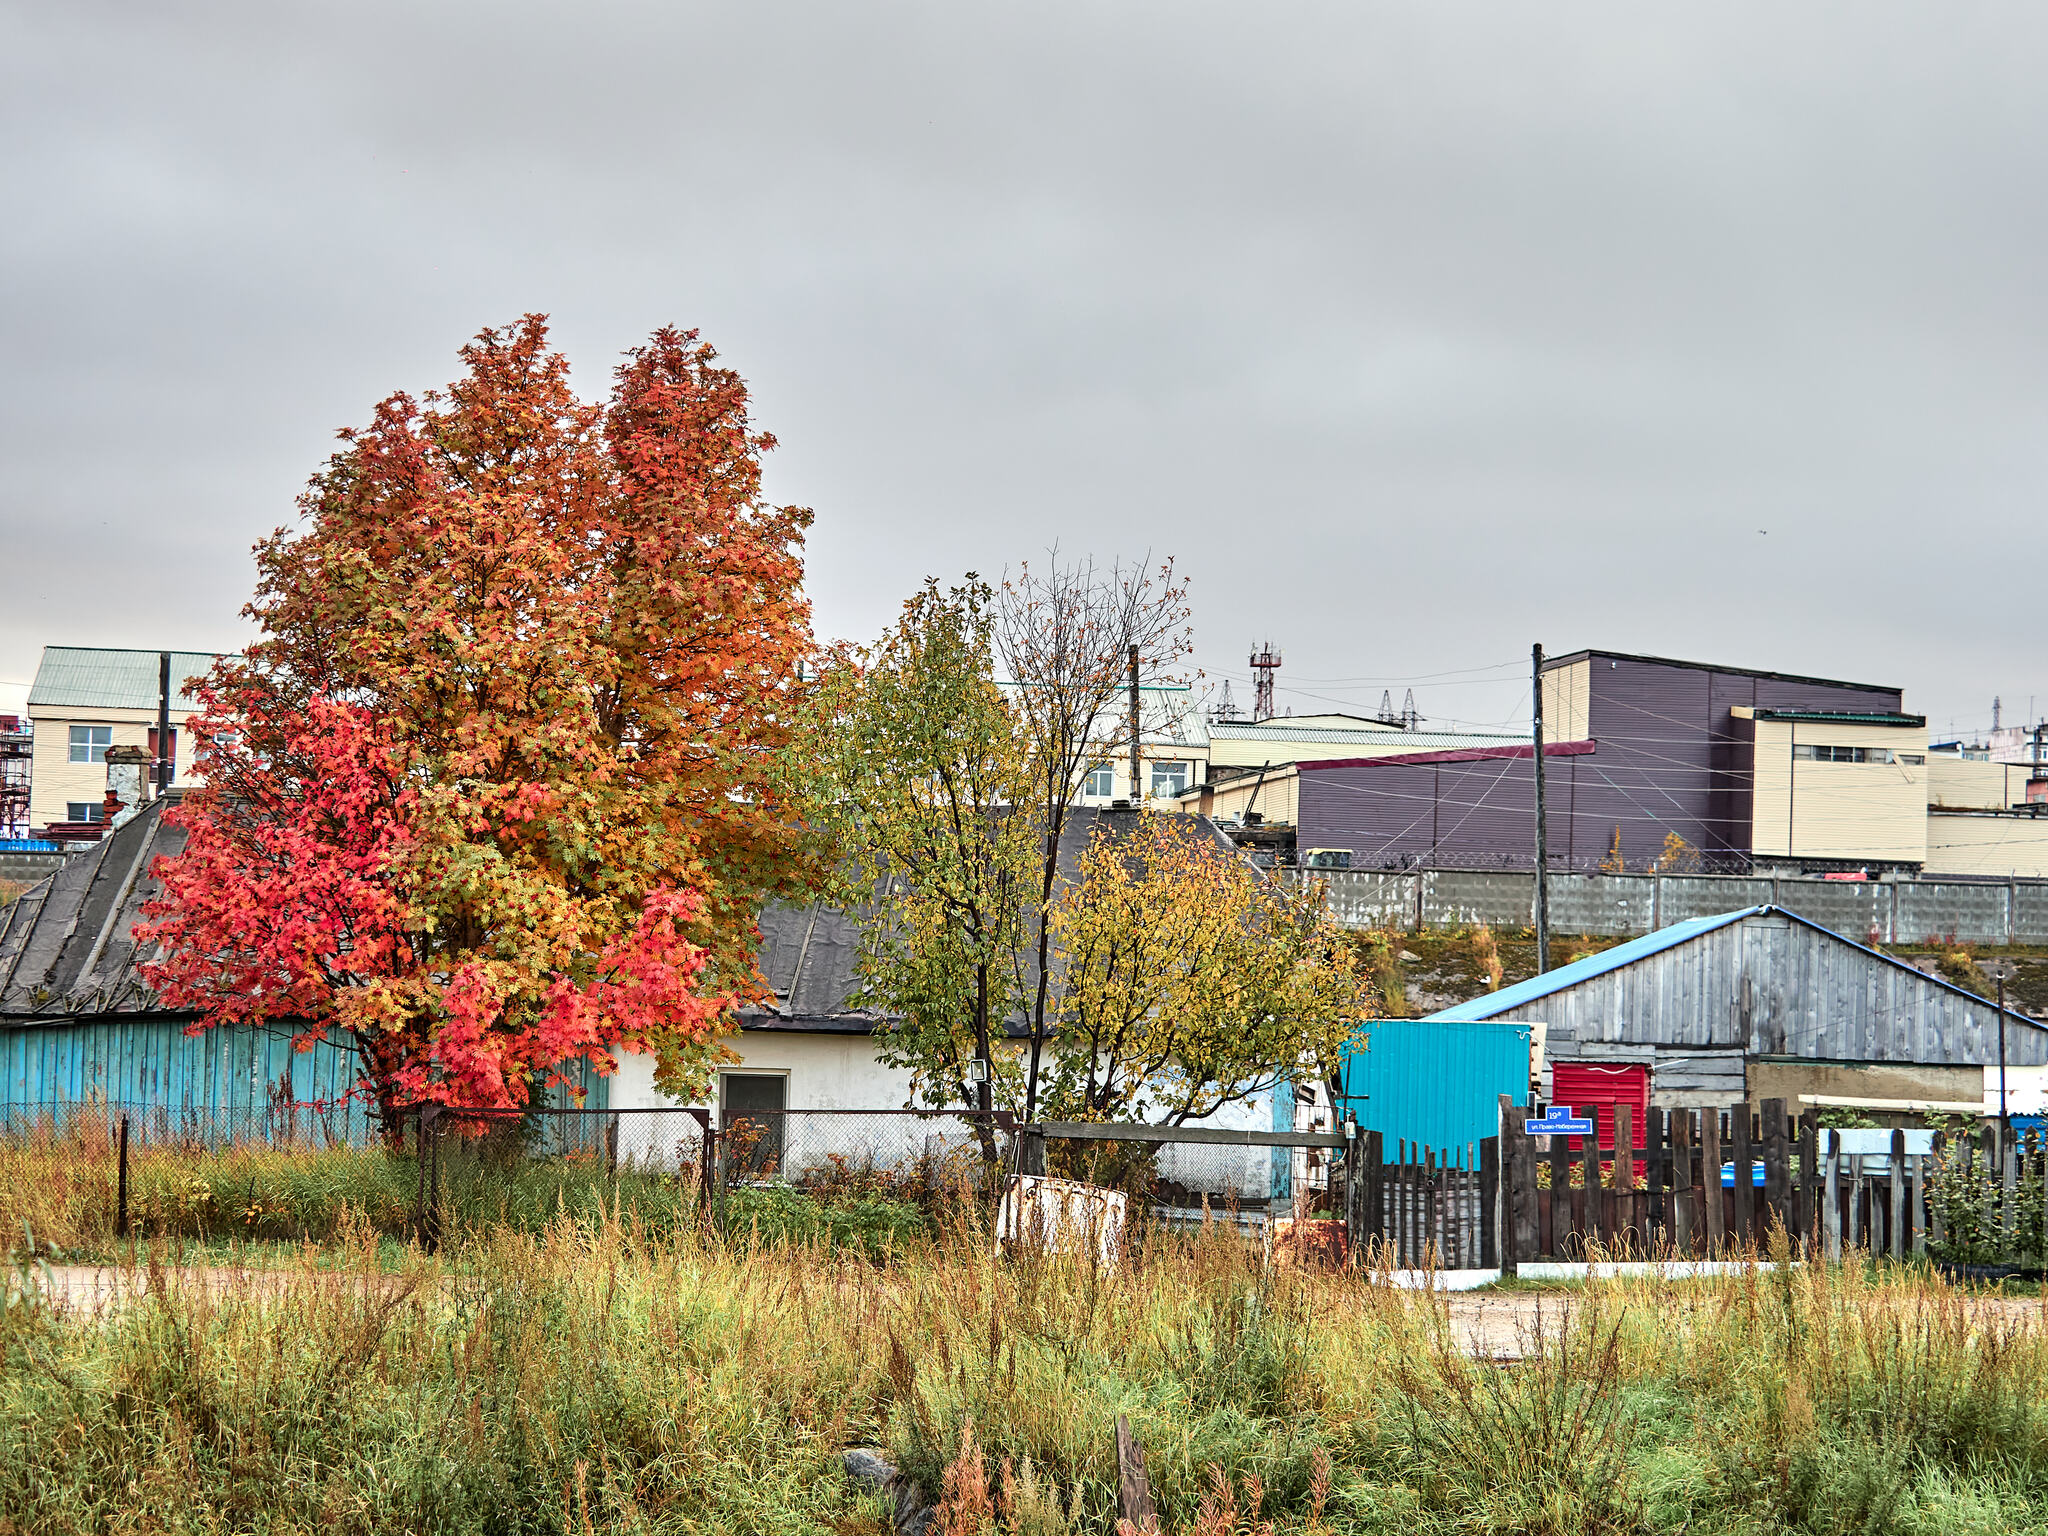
[{"x": 1557, "y": 1121}]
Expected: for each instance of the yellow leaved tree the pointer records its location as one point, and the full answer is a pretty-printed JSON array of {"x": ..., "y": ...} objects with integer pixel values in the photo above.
[{"x": 1191, "y": 981}]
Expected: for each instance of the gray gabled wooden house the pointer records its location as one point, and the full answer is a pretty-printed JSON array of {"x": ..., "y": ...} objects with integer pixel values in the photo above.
[{"x": 1754, "y": 1004}]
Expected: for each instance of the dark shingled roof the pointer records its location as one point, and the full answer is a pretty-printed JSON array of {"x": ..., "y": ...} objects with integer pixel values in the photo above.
[
  {"x": 808, "y": 953},
  {"x": 67, "y": 945},
  {"x": 67, "y": 949}
]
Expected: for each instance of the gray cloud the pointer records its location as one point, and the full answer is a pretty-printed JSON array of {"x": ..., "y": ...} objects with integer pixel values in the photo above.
[{"x": 1417, "y": 332}]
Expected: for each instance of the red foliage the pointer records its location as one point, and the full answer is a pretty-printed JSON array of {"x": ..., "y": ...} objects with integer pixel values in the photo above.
[{"x": 500, "y": 786}]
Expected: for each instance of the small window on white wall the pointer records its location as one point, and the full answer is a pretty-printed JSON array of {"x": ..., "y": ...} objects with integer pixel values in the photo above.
[
  {"x": 1100, "y": 783},
  {"x": 89, "y": 743}
]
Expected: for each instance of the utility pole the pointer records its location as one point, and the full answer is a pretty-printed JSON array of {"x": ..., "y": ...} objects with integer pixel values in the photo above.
[
  {"x": 163, "y": 724},
  {"x": 1542, "y": 822},
  {"x": 1137, "y": 791}
]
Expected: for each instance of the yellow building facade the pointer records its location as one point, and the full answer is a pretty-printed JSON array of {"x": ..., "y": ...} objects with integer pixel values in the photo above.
[{"x": 1835, "y": 786}]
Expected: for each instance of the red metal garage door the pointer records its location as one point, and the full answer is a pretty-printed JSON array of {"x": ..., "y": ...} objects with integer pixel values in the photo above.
[{"x": 1591, "y": 1088}]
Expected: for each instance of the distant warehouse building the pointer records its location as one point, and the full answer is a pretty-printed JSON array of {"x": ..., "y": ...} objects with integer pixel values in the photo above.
[{"x": 1652, "y": 763}]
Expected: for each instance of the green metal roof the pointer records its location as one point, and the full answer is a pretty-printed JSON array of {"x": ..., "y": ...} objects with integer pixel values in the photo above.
[
  {"x": 1842, "y": 717},
  {"x": 89, "y": 677}
]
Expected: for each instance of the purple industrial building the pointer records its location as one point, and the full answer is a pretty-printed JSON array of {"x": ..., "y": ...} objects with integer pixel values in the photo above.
[{"x": 1638, "y": 747}]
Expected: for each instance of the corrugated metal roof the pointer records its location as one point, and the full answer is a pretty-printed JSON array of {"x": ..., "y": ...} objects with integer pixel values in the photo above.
[
  {"x": 1842, "y": 716},
  {"x": 67, "y": 945},
  {"x": 87, "y": 677},
  {"x": 1524, "y": 992}
]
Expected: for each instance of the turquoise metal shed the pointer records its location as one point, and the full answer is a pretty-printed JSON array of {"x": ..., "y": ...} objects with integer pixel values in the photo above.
[{"x": 1435, "y": 1082}]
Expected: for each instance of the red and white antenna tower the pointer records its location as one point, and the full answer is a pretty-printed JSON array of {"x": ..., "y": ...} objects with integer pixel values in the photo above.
[{"x": 1265, "y": 662}]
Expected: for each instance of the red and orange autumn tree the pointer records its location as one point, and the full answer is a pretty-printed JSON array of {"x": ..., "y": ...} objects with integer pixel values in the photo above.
[{"x": 499, "y": 786}]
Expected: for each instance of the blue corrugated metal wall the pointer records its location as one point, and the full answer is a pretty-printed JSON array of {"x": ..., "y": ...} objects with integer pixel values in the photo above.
[
  {"x": 1437, "y": 1084},
  {"x": 141, "y": 1060}
]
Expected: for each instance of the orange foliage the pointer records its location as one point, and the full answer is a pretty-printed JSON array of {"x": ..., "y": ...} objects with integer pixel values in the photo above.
[{"x": 501, "y": 784}]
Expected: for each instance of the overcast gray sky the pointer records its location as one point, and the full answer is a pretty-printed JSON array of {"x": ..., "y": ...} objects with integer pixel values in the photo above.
[{"x": 1417, "y": 332}]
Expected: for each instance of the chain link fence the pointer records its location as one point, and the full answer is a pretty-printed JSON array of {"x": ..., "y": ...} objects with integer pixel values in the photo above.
[
  {"x": 77, "y": 1177},
  {"x": 1202, "y": 1169},
  {"x": 862, "y": 1175},
  {"x": 508, "y": 1168}
]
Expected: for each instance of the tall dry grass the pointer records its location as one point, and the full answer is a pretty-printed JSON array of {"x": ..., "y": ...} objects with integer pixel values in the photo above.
[{"x": 605, "y": 1378}]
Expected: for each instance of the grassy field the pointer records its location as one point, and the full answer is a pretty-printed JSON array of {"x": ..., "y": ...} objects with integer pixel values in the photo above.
[
  {"x": 58, "y": 1195},
  {"x": 599, "y": 1377}
]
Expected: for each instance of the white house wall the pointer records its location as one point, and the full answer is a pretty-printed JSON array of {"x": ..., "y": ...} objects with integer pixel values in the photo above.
[
  {"x": 824, "y": 1071},
  {"x": 839, "y": 1071}
]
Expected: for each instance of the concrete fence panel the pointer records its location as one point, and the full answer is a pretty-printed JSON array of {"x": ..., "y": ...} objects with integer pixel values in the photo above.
[
  {"x": 1460, "y": 898},
  {"x": 1369, "y": 898},
  {"x": 1931, "y": 909},
  {"x": 1606, "y": 905},
  {"x": 1686, "y": 897},
  {"x": 1906, "y": 911},
  {"x": 1856, "y": 909},
  {"x": 2030, "y": 913},
  {"x": 29, "y": 867}
]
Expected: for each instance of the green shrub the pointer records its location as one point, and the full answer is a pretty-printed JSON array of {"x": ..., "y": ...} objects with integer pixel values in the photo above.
[{"x": 779, "y": 1214}]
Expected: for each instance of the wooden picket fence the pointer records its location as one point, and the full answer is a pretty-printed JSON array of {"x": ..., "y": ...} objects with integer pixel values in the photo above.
[
  {"x": 1705, "y": 1183},
  {"x": 1422, "y": 1208},
  {"x": 1671, "y": 1197}
]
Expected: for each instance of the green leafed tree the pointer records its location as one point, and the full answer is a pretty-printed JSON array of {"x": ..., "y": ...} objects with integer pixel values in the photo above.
[{"x": 925, "y": 770}]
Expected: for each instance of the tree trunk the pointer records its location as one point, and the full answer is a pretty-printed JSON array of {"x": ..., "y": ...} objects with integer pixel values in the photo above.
[
  {"x": 984, "y": 1093},
  {"x": 1052, "y": 865}
]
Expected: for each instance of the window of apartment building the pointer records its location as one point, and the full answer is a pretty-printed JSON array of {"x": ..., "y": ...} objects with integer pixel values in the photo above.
[
  {"x": 172, "y": 754},
  {"x": 84, "y": 810},
  {"x": 1815, "y": 753},
  {"x": 1100, "y": 783},
  {"x": 1169, "y": 778},
  {"x": 89, "y": 743}
]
